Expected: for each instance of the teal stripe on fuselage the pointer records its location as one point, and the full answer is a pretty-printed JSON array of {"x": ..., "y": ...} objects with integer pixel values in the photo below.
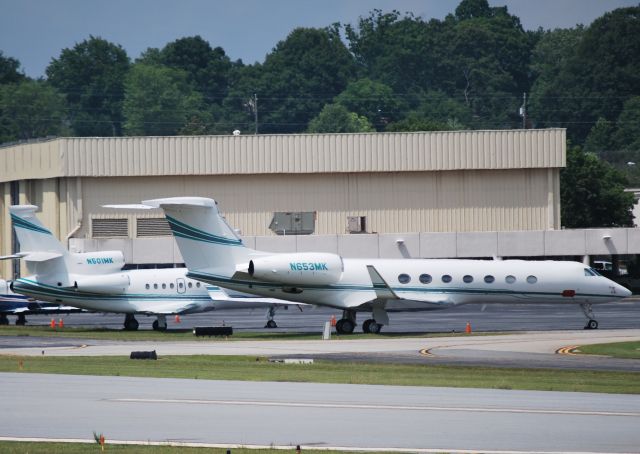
[{"x": 36, "y": 288}]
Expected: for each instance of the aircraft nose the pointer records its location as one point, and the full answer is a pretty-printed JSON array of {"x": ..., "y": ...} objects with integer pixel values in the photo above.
[{"x": 625, "y": 292}]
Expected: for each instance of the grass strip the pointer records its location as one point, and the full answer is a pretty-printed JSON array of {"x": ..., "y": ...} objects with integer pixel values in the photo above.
[
  {"x": 187, "y": 334},
  {"x": 630, "y": 350},
  {"x": 208, "y": 367}
]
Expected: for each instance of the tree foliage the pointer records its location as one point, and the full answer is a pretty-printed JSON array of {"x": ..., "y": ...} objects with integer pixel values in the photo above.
[
  {"x": 9, "y": 70},
  {"x": 336, "y": 118},
  {"x": 592, "y": 193},
  {"x": 91, "y": 76},
  {"x": 30, "y": 109}
]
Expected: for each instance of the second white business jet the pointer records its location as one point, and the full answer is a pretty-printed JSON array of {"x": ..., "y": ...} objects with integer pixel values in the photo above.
[{"x": 95, "y": 281}]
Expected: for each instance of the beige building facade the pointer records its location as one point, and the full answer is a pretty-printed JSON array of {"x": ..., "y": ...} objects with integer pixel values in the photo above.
[{"x": 389, "y": 183}]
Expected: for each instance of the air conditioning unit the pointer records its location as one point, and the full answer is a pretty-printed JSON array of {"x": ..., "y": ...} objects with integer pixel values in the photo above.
[{"x": 357, "y": 224}]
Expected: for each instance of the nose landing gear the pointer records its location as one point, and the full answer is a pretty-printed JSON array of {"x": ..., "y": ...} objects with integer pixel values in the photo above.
[{"x": 592, "y": 323}]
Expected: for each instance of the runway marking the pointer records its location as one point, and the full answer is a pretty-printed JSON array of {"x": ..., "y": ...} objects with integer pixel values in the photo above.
[
  {"x": 426, "y": 352},
  {"x": 190, "y": 444},
  {"x": 567, "y": 350},
  {"x": 373, "y": 406}
]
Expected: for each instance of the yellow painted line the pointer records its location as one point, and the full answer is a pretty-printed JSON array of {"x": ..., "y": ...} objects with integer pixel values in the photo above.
[
  {"x": 569, "y": 350},
  {"x": 426, "y": 352}
]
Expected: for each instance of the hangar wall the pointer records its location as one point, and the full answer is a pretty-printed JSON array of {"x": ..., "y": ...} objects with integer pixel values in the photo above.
[{"x": 462, "y": 181}]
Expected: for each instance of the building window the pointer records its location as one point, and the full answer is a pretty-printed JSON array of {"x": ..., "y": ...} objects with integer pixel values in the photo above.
[
  {"x": 404, "y": 278},
  {"x": 467, "y": 279},
  {"x": 425, "y": 278},
  {"x": 489, "y": 279},
  {"x": 532, "y": 279},
  {"x": 510, "y": 279},
  {"x": 446, "y": 278}
]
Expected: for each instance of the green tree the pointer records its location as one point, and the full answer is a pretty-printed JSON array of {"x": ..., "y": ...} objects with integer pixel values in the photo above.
[
  {"x": 627, "y": 135},
  {"x": 160, "y": 101},
  {"x": 30, "y": 109},
  {"x": 336, "y": 118},
  {"x": 373, "y": 100},
  {"x": 302, "y": 73},
  {"x": 415, "y": 122},
  {"x": 206, "y": 68},
  {"x": 91, "y": 76},
  {"x": 599, "y": 140},
  {"x": 10, "y": 70},
  {"x": 592, "y": 193}
]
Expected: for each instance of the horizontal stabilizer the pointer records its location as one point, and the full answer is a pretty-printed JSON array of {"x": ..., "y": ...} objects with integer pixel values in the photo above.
[
  {"x": 131, "y": 206},
  {"x": 33, "y": 256},
  {"x": 382, "y": 289}
]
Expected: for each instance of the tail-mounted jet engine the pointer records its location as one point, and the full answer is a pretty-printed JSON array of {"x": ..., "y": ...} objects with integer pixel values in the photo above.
[{"x": 298, "y": 268}]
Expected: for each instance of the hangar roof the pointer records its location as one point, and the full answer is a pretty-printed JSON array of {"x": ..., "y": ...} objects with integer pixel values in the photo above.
[{"x": 290, "y": 153}]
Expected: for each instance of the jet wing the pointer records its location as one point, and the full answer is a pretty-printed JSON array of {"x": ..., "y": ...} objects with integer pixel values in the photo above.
[{"x": 382, "y": 289}]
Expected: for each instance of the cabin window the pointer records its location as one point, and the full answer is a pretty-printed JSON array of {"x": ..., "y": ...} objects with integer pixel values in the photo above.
[
  {"x": 190, "y": 285},
  {"x": 446, "y": 278},
  {"x": 147, "y": 286},
  {"x": 155, "y": 286},
  {"x": 425, "y": 278},
  {"x": 171, "y": 285},
  {"x": 404, "y": 278},
  {"x": 489, "y": 279},
  {"x": 180, "y": 284},
  {"x": 198, "y": 284},
  {"x": 532, "y": 279},
  {"x": 164, "y": 286},
  {"x": 467, "y": 279},
  {"x": 510, "y": 279}
]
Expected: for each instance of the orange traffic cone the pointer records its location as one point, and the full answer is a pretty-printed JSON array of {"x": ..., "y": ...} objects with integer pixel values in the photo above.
[
  {"x": 177, "y": 318},
  {"x": 53, "y": 323},
  {"x": 468, "y": 328},
  {"x": 333, "y": 321},
  {"x": 61, "y": 323}
]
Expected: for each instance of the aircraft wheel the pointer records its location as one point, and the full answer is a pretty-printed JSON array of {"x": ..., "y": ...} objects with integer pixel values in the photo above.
[
  {"x": 156, "y": 326},
  {"x": 591, "y": 324},
  {"x": 131, "y": 324},
  {"x": 345, "y": 326},
  {"x": 366, "y": 325},
  {"x": 21, "y": 320},
  {"x": 375, "y": 328},
  {"x": 271, "y": 324}
]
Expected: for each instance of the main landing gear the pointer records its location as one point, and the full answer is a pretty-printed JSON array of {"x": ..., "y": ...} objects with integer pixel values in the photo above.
[
  {"x": 592, "y": 322},
  {"x": 160, "y": 324},
  {"x": 21, "y": 320},
  {"x": 347, "y": 324},
  {"x": 271, "y": 323},
  {"x": 130, "y": 322},
  {"x": 4, "y": 320}
]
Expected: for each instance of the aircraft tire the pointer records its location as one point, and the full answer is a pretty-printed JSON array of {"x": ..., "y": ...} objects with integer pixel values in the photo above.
[
  {"x": 156, "y": 326},
  {"x": 375, "y": 328},
  {"x": 592, "y": 324},
  {"x": 271, "y": 324},
  {"x": 345, "y": 326},
  {"x": 131, "y": 325},
  {"x": 366, "y": 325}
]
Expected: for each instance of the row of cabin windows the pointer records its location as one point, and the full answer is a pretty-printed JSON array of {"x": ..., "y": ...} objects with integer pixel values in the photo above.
[
  {"x": 467, "y": 279},
  {"x": 172, "y": 285}
]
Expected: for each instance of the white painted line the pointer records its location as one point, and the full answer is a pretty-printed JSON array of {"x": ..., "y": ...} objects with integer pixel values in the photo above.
[{"x": 373, "y": 406}]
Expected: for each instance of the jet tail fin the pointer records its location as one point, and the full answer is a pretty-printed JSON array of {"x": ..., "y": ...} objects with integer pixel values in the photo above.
[{"x": 204, "y": 238}]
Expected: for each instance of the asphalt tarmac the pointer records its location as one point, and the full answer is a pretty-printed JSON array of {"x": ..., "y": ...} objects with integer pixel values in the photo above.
[{"x": 234, "y": 414}]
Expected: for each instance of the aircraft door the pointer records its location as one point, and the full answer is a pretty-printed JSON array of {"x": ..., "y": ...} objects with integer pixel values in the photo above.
[{"x": 181, "y": 285}]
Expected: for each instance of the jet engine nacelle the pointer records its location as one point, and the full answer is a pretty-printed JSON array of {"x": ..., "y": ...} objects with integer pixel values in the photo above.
[
  {"x": 104, "y": 262},
  {"x": 302, "y": 268},
  {"x": 106, "y": 283}
]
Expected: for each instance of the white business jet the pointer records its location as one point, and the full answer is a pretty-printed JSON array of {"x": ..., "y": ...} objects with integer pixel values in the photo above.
[
  {"x": 213, "y": 253},
  {"x": 95, "y": 280}
]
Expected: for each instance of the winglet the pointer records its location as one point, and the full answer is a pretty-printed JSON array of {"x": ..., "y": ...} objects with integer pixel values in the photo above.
[{"x": 382, "y": 289}]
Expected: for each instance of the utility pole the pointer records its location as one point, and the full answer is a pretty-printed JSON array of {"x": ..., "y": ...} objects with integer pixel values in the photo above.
[
  {"x": 255, "y": 112},
  {"x": 523, "y": 110}
]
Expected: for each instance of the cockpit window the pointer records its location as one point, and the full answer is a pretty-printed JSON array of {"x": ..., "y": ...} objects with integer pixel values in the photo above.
[{"x": 591, "y": 272}]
